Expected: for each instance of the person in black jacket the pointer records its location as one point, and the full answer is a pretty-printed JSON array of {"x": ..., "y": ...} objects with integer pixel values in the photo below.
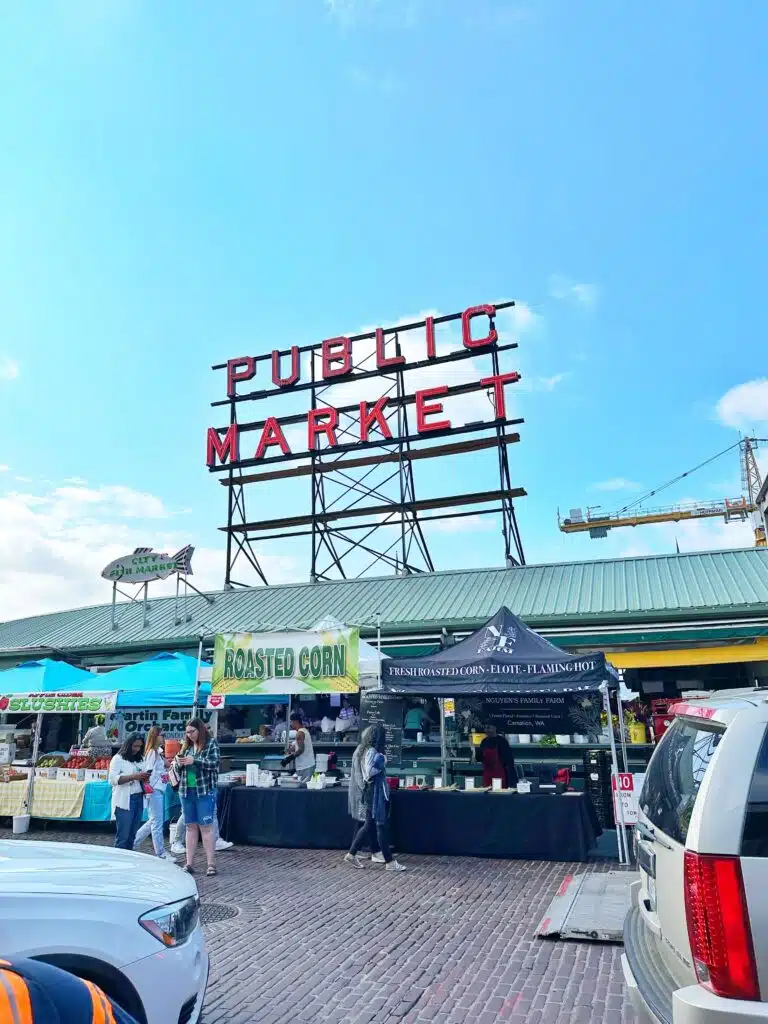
[{"x": 495, "y": 755}]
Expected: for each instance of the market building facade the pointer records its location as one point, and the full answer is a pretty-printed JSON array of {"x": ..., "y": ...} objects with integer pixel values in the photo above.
[{"x": 671, "y": 622}]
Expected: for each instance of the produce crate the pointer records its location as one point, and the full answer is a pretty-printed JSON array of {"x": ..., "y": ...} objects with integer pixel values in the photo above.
[
  {"x": 70, "y": 774},
  {"x": 95, "y": 775},
  {"x": 46, "y": 773}
]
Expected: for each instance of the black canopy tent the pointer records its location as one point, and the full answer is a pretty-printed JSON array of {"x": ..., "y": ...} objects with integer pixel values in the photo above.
[{"x": 502, "y": 657}]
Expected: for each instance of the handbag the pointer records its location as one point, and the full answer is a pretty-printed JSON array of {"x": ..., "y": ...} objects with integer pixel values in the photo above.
[
  {"x": 147, "y": 788},
  {"x": 173, "y": 777}
]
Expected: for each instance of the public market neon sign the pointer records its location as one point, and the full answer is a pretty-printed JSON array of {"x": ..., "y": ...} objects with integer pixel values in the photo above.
[{"x": 223, "y": 446}]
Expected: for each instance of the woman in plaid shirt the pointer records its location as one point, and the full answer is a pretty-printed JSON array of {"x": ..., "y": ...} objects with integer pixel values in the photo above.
[{"x": 197, "y": 765}]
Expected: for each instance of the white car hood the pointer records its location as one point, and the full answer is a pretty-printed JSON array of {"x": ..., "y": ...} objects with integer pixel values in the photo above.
[{"x": 58, "y": 868}]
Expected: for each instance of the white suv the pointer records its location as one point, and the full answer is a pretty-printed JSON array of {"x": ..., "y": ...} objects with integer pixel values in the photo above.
[
  {"x": 696, "y": 937},
  {"x": 126, "y": 921}
]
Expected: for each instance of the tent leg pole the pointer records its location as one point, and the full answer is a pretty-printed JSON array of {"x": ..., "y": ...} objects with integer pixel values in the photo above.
[
  {"x": 443, "y": 745},
  {"x": 196, "y": 699},
  {"x": 288, "y": 725},
  {"x": 620, "y": 837},
  {"x": 622, "y": 732},
  {"x": 35, "y": 754},
  {"x": 378, "y": 646}
]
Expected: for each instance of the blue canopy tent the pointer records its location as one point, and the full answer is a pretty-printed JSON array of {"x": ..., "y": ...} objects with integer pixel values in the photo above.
[
  {"x": 47, "y": 676},
  {"x": 165, "y": 681}
]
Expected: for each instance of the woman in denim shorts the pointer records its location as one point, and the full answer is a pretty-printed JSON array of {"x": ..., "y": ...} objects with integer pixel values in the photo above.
[{"x": 197, "y": 765}]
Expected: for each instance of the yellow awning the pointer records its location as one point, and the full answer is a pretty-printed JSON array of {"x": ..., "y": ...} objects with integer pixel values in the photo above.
[{"x": 754, "y": 650}]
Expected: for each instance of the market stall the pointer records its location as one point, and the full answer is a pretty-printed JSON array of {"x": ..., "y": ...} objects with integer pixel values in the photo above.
[
  {"x": 72, "y": 784},
  {"x": 507, "y": 679},
  {"x": 53, "y": 786}
]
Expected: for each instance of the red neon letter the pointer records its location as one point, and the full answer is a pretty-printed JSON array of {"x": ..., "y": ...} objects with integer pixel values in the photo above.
[
  {"x": 466, "y": 327},
  {"x": 239, "y": 369},
  {"x": 425, "y": 408},
  {"x": 271, "y": 434},
  {"x": 315, "y": 427},
  {"x": 285, "y": 382},
  {"x": 430, "y": 328},
  {"x": 382, "y": 362},
  {"x": 376, "y": 415},
  {"x": 497, "y": 383},
  {"x": 337, "y": 350},
  {"x": 218, "y": 448}
]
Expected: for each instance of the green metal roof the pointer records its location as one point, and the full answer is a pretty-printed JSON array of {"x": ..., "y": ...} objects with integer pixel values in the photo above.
[{"x": 657, "y": 588}]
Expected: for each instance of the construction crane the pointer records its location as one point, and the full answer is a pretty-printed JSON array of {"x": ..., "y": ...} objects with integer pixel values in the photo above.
[{"x": 597, "y": 523}]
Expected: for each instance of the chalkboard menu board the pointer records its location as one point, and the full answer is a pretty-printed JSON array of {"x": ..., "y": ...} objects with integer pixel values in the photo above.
[{"x": 376, "y": 709}]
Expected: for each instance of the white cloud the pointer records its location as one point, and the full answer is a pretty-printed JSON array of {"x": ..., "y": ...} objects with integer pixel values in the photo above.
[
  {"x": 691, "y": 535},
  {"x": 463, "y": 524},
  {"x": 124, "y": 501},
  {"x": 4, "y": 469},
  {"x": 564, "y": 288},
  {"x": 517, "y": 320},
  {"x": 616, "y": 483},
  {"x": 9, "y": 369},
  {"x": 397, "y": 13},
  {"x": 745, "y": 406},
  {"x": 550, "y": 383},
  {"x": 54, "y": 545}
]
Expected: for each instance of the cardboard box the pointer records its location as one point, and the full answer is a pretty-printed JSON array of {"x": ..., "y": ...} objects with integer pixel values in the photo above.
[
  {"x": 45, "y": 773},
  {"x": 7, "y": 752},
  {"x": 95, "y": 775},
  {"x": 70, "y": 774}
]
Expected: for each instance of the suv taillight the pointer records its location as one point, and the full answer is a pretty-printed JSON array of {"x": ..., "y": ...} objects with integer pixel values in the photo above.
[{"x": 718, "y": 926}]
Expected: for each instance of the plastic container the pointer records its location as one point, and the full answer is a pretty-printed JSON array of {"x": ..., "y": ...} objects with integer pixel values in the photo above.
[
  {"x": 172, "y": 747},
  {"x": 20, "y": 824}
]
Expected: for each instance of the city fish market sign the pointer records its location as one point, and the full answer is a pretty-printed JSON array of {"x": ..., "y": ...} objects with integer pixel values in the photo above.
[
  {"x": 69, "y": 702},
  {"x": 326, "y": 661},
  {"x": 145, "y": 565}
]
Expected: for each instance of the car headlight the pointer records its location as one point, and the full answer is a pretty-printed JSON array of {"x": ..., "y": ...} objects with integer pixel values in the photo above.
[{"x": 174, "y": 923}]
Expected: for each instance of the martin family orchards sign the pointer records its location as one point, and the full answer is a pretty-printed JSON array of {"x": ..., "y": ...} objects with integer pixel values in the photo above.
[{"x": 335, "y": 362}]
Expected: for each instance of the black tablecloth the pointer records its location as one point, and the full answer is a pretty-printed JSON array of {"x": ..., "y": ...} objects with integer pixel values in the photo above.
[
  {"x": 290, "y": 818},
  {"x": 514, "y": 826},
  {"x": 510, "y": 826}
]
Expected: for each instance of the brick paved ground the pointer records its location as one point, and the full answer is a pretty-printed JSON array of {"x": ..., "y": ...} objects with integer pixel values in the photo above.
[{"x": 450, "y": 941}]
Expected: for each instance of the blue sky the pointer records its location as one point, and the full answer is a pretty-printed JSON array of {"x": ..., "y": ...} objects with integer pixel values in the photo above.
[{"x": 183, "y": 182}]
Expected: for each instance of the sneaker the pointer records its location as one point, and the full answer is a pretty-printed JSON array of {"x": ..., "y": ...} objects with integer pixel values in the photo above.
[
  {"x": 354, "y": 861},
  {"x": 378, "y": 858},
  {"x": 178, "y": 848},
  {"x": 395, "y": 865},
  {"x": 222, "y": 844}
]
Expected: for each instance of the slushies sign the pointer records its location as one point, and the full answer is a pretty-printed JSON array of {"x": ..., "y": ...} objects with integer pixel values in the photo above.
[
  {"x": 71, "y": 702},
  {"x": 326, "y": 661}
]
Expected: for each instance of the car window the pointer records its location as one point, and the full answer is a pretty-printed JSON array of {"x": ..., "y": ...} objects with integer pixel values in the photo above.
[
  {"x": 675, "y": 774},
  {"x": 754, "y": 841}
]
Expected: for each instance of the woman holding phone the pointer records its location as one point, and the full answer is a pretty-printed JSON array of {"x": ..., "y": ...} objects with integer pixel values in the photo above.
[
  {"x": 154, "y": 792},
  {"x": 197, "y": 765},
  {"x": 126, "y": 776}
]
